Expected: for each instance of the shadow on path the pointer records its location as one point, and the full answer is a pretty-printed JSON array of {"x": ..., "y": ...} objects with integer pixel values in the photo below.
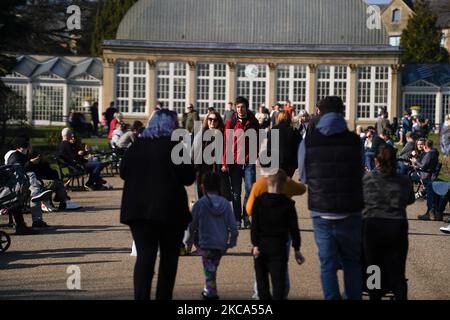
[
  {"x": 59, "y": 229},
  {"x": 7, "y": 259}
]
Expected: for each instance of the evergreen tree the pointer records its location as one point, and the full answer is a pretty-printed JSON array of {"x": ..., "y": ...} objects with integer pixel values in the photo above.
[
  {"x": 109, "y": 15},
  {"x": 421, "y": 39}
]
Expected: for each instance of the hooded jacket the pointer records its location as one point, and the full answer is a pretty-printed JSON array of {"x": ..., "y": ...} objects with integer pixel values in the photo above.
[
  {"x": 333, "y": 166},
  {"x": 275, "y": 218},
  {"x": 213, "y": 217}
]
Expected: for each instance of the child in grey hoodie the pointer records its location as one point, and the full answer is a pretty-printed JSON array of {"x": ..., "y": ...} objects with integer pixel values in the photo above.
[{"x": 213, "y": 218}]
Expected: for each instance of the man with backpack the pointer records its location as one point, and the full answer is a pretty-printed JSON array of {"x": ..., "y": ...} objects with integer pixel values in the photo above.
[{"x": 242, "y": 121}]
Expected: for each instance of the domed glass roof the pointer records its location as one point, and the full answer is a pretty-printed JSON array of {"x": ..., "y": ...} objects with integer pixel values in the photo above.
[{"x": 252, "y": 22}]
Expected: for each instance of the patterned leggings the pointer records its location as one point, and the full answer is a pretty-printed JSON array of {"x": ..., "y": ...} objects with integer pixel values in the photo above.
[{"x": 211, "y": 259}]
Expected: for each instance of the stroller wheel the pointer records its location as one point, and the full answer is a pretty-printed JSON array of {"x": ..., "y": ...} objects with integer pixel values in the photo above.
[{"x": 5, "y": 241}]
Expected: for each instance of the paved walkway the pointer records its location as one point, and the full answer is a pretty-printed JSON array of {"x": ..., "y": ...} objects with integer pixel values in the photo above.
[{"x": 93, "y": 239}]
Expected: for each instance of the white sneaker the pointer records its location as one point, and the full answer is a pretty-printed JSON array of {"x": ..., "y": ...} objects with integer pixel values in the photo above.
[
  {"x": 70, "y": 205},
  {"x": 446, "y": 229},
  {"x": 44, "y": 195},
  {"x": 47, "y": 207}
]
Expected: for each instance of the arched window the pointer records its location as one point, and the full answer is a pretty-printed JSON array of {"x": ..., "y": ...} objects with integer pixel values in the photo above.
[{"x": 396, "y": 14}]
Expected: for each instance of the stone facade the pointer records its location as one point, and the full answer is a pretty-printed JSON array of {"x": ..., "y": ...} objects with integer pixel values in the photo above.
[
  {"x": 395, "y": 28},
  {"x": 352, "y": 60}
]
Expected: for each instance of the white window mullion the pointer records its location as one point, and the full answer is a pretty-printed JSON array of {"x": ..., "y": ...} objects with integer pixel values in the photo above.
[
  {"x": 332, "y": 80},
  {"x": 211, "y": 85},
  {"x": 130, "y": 88},
  {"x": 171, "y": 88},
  {"x": 147, "y": 87},
  {"x": 291, "y": 82},
  {"x": 372, "y": 91},
  {"x": 250, "y": 98}
]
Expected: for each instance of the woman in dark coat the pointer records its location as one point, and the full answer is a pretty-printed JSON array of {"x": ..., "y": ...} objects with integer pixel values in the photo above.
[
  {"x": 155, "y": 204},
  {"x": 385, "y": 224},
  {"x": 213, "y": 126},
  {"x": 289, "y": 140}
]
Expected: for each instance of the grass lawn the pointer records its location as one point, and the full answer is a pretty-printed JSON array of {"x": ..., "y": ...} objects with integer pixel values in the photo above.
[{"x": 47, "y": 138}]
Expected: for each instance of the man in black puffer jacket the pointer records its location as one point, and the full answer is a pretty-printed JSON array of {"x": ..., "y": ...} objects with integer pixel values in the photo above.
[{"x": 331, "y": 164}]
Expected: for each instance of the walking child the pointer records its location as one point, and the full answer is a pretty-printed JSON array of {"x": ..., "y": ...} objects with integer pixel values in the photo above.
[
  {"x": 213, "y": 218},
  {"x": 274, "y": 219}
]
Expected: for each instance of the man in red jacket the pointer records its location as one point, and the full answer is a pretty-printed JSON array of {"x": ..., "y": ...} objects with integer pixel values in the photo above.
[{"x": 243, "y": 120}]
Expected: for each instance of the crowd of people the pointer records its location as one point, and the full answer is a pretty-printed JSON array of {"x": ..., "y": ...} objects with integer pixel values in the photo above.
[
  {"x": 41, "y": 185},
  {"x": 40, "y": 181},
  {"x": 358, "y": 188},
  {"x": 359, "y": 215}
]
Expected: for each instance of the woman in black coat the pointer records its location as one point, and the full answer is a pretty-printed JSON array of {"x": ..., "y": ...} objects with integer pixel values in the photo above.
[
  {"x": 212, "y": 130},
  {"x": 155, "y": 204},
  {"x": 289, "y": 140},
  {"x": 385, "y": 224}
]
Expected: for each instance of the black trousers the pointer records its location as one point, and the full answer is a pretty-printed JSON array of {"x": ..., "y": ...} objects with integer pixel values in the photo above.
[
  {"x": 385, "y": 244},
  {"x": 95, "y": 127},
  {"x": 272, "y": 261},
  {"x": 148, "y": 236}
]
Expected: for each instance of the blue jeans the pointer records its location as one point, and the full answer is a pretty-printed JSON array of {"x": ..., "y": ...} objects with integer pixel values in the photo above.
[
  {"x": 369, "y": 160},
  {"x": 439, "y": 196},
  {"x": 237, "y": 173},
  {"x": 94, "y": 167},
  {"x": 339, "y": 243},
  {"x": 35, "y": 189},
  {"x": 402, "y": 167}
]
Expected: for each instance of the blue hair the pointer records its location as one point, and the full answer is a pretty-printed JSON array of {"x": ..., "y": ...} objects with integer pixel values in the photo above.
[{"x": 161, "y": 124}]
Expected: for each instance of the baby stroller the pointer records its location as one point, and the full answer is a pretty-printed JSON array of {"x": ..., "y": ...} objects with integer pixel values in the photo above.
[
  {"x": 13, "y": 194},
  {"x": 5, "y": 240}
]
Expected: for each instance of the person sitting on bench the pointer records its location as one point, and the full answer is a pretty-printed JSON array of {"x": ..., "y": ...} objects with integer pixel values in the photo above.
[{"x": 72, "y": 154}]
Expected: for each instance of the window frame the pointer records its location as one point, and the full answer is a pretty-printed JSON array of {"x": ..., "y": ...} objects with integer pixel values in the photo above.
[
  {"x": 212, "y": 89},
  {"x": 34, "y": 100},
  {"x": 251, "y": 85},
  {"x": 396, "y": 15},
  {"x": 131, "y": 76},
  {"x": 333, "y": 80},
  {"x": 292, "y": 85},
  {"x": 372, "y": 104},
  {"x": 171, "y": 100}
]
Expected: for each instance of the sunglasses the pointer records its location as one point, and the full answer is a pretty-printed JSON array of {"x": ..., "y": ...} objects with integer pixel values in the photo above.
[{"x": 212, "y": 119}]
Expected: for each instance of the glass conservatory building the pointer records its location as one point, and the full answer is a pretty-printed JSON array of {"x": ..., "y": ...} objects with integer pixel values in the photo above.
[
  {"x": 208, "y": 52},
  {"x": 52, "y": 86},
  {"x": 428, "y": 87}
]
